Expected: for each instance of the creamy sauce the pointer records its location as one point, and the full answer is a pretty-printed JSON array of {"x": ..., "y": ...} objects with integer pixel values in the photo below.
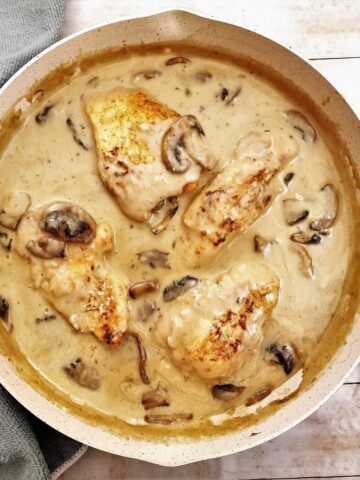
[{"x": 45, "y": 161}]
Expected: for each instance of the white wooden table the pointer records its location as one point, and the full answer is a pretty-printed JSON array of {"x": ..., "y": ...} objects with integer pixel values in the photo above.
[{"x": 326, "y": 445}]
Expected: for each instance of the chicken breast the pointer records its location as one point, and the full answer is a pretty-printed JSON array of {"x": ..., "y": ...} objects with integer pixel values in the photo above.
[
  {"x": 214, "y": 328},
  {"x": 129, "y": 126},
  {"x": 239, "y": 194},
  {"x": 65, "y": 249}
]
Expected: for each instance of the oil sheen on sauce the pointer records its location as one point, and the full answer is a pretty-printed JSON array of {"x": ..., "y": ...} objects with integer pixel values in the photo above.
[{"x": 45, "y": 161}]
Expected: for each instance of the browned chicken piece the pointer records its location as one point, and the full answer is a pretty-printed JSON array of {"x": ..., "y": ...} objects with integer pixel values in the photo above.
[
  {"x": 146, "y": 152},
  {"x": 215, "y": 328},
  {"x": 65, "y": 248},
  {"x": 239, "y": 194}
]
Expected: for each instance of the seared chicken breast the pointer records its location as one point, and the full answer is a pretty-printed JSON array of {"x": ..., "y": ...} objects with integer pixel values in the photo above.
[
  {"x": 65, "y": 248},
  {"x": 129, "y": 126},
  {"x": 240, "y": 193},
  {"x": 214, "y": 328}
]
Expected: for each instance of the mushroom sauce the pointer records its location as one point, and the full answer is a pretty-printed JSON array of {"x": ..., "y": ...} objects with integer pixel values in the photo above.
[{"x": 274, "y": 278}]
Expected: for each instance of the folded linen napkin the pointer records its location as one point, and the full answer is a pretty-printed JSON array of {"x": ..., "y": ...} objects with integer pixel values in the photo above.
[{"x": 29, "y": 449}]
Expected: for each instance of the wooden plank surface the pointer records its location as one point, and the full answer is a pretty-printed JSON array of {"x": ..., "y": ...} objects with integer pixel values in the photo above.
[
  {"x": 326, "y": 445},
  {"x": 317, "y": 29}
]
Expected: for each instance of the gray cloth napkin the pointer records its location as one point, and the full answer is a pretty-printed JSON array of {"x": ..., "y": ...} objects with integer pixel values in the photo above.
[
  {"x": 29, "y": 449},
  {"x": 26, "y": 28}
]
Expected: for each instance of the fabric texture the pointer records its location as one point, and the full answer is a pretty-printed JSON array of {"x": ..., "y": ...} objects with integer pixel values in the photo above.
[
  {"x": 29, "y": 449},
  {"x": 26, "y": 28}
]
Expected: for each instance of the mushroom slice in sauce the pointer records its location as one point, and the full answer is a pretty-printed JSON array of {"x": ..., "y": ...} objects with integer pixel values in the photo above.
[
  {"x": 168, "y": 419},
  {"x": 227, "y": 391},
  {"x": 93, "y": 81},
  {"x": 13, "y": 206},
  {"x": 147, "y": 75},
  {"x": 294, "y": 212},
  {"x": 184, "y": 141},
  {"x": 4, "y": 313},
  {"x": 6, "y": 241},
  {"x": 161, "y": 214},
  {"x": 146, "y": 310},
  {"x": 203, "y": 76},
  {"x": 69, "y": 223},
  {"x": 260, "y": 395},
  {"x": 142, "y": 357},
  {"x": 306, "y": 238},
  {"x": 179, "y": 287},
  {"x": 298, "y": 121},
  {"x": 4, "y": 308},
  {"x": 261, "y": 244},
  {"x": 139, "y": 289},
  {"x": 329, "y": 217},
  {"x": 307, "y": 267},
  {"x": 155, "y": 398},
  {"x": 154, "y": 258},
  {"x": 284, "y": 355},
  {"x": 224, "y": 93},
  {"x": 45, "y": 318},
  {"x": 83, "y": 374},
  {"x": 42, "y": 116},
  {"x": 288, "y": 178},
  {"x": 176, "y": 60},
  {"x": 232, "y": 100},
  {"x": 70, "y": 123},
  {"x": 47, "y": 247}
]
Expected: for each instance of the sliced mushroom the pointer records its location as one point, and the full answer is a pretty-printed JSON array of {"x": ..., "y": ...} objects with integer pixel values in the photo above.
[
  {"x": 45, "y": 318},
  {"x": 294, "y": 211},
  {"x": 4, "y": 314},
  {"x": 329, "y": 217},
  {"x": 142, "y": 357},
  {"x": 83, "y": 374},
  {"x": 146, "y": 310},
  {"x": 232, "y": 100},
  {"x": 260, "y": 395},
  {"x": 227, "y": 391},
  {"x": 154, "y": 258},
  {"x": 168, "y": 419},
  {"x": 288, "y": 178},
  {"x": 203, "y": 76},
  {"x": 13, "y": 207},
  {"x": 161, "y": 214},
  {"x": 298, "y": 121},
  {"x": 5, "y": 241},
  {"x": 176, "y": 60},
  {"x": 185, "y": 141},
  {"x": 307, "y": 267},
  {"x": 284, "y": 355},
  {"x": 4, "y": 308},
  {"x": 224, "y": 93},
  {"x": 155, "y": 398},
  {"x": 174, "y": 153},
  {"x": 261, "y": 244},
  {"x": 42, "y": 116},
  {"x": 139, "y": 289},
  {"x": 70, "y": 123},
  {"x": 146, "y": 75},
  {"x": 47, "y": 247},
  {"x": 68, "y": 222},
  {"x": 306, "y": 238},
  {"x": 93, "y": 81},
  {"x": 179, "y": 287}
]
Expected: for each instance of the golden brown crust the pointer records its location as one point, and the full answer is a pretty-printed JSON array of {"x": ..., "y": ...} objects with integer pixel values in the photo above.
[{"x": 116, "y": 117}]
